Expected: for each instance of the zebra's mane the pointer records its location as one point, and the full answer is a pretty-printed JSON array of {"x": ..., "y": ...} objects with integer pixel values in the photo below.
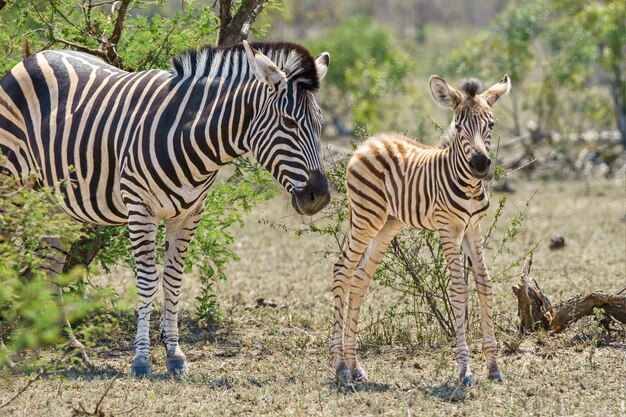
[{"x": 295, "y": 60}]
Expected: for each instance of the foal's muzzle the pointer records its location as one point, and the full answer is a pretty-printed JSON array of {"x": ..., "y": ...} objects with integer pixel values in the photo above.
[
  {"x": 314, "y": 196},
  {"x": 479, "y": 164}
]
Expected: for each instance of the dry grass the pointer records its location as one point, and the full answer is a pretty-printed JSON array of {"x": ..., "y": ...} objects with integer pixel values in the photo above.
[{"x": 270, "y": 358}]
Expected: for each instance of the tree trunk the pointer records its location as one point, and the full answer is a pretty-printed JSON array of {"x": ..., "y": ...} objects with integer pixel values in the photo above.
[
  {"x": 617, "y": 92},
  {"x": 536, "y": 312},
  {"x": 234, "y": 29}
]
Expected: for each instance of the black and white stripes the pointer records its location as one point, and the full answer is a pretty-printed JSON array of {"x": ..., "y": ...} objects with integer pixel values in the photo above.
[
  {"x": 145, "y": 147},
  {"x": 392, "y": 181}
]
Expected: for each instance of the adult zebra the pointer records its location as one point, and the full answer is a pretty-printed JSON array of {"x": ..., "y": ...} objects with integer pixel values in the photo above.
[
  {"x": 393, "y": 181},
  {"x": 143, "y": 147}
]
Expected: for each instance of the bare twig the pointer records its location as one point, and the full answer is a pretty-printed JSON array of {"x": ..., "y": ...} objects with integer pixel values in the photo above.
[
  {"x": 97, "y": 411},
  {"x": 82, "y": 48},
  {"x": 24, "y": 388},
  {"x": 31, "y": 382}
]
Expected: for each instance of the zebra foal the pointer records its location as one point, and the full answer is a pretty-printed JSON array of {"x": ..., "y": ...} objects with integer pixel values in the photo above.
[
  {"x": 394, "y": 181},
  {"x": 139, "y": 148}
]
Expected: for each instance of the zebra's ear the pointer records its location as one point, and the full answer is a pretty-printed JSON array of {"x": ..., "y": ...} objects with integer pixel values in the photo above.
[
  {"x": 443, "y": 94},
  {"x": 264, "y": 68},
  {"x": 497, "y": 90},
  {"x": 321, "y": 62}
]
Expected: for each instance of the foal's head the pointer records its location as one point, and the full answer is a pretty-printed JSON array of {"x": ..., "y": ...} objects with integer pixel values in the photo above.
[{"x": 473, "y": 119}]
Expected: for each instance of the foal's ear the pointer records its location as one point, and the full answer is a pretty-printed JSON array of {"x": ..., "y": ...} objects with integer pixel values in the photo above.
[
  {"x": 321, "y": 63},
  {"x": 497, "y": 90},
  {"x": 263, "y": 68},
  {"x": 443, "y": 94}
]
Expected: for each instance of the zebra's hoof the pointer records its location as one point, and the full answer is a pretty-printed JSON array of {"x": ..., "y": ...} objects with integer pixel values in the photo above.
[
  {"x": 496, "y": 376},
  {"x": 359, "y": 375},
  {"x": 468, "y": 380},
  {"x": 176, "y": 364},
  {"x": 141, "y": 367}
]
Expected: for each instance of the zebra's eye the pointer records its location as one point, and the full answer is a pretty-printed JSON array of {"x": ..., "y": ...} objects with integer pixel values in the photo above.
[
  {"x": 458, "y": 127},
  {"x": 490, "y": 125},
  {"x": 290, "y": 123}
]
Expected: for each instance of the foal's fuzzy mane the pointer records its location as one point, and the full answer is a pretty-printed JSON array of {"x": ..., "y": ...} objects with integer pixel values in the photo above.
[{"x": 471, "y": 87}]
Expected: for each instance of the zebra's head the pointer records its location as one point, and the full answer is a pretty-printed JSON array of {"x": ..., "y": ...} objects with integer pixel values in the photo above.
[
  {"x": 473, "y": 119},
  {"x": 285, "y": 133}
]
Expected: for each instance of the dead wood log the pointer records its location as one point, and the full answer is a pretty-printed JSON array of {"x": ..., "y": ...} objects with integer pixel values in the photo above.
[{"x": 537, "y": 312}]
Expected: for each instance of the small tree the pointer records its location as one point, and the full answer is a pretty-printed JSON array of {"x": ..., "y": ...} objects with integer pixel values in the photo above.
[{"x": 574, "y": 44}]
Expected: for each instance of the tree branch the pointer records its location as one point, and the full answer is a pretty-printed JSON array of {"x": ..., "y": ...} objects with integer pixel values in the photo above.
[
  {"x": 234, "y": 29},
  {"x": 110, "y": 46}
]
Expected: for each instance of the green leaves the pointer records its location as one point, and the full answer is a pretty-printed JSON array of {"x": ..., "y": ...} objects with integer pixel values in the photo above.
[{"x": 367, "y": 63}]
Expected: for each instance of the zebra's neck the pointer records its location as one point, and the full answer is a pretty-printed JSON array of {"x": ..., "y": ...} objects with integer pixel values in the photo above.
[{"x": 220, "y": 111}]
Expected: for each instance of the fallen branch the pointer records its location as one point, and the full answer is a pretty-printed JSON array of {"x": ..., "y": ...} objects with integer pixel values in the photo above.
[{"x": 537, "y": 312}]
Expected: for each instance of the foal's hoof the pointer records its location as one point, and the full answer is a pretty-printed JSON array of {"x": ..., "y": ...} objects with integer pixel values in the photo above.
[
  {"x": 359, "y": 375},
  {"x": 496, "y": 376},
  {"x": 468, "y": 380},
  {"x": 343, "y": 375},
  {"x": 176, "y": 364},
  {"x": 141, "y": 367}
]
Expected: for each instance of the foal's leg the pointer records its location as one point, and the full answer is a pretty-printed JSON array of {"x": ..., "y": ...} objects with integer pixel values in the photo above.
[
  {"x": 361, "y": 234},
  {"x": 473, "y": 247},
  {"x": 179, "y": 235},
  {"x": 360, "y": 282},
  {"x": 459, "y": 295}
]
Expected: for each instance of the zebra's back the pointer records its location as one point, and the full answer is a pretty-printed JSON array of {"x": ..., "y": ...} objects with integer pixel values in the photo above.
[{"x": 68, "y": 117}]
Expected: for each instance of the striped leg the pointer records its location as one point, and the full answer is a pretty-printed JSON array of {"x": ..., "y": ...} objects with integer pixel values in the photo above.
[
  {"x": 361, "y": 234},
  {"x": 179, "y": 235},
  {"x": 360, "y": 282},
  {"x": 473, "y": 247},
  {"x": 53, "y": 253},
  {"x": 142, "y": 229},
  {"x": 459, "y": 295}
]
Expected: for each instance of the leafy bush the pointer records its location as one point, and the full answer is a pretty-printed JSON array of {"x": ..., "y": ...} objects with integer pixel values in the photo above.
[
  {"x": 31, "y": 313},
  {"x": 559, "y": 54},
  {"x": 368, "y": 72}
]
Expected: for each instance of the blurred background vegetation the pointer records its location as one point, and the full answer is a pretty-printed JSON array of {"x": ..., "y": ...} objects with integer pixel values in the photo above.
[{"x": 565, "y": 116}]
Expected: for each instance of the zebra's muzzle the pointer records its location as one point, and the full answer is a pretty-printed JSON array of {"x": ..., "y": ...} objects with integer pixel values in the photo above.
[{"x": 314, "y": 196}]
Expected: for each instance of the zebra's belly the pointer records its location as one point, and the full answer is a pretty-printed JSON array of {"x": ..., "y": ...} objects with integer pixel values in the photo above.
[{"x": 94, "y": 202}]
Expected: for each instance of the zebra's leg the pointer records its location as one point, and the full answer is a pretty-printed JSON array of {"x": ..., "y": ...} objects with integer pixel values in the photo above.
[
  {"x": 360, "y": 282},
  {"x": 53, "y": 253},
  {"x": 361, "y": 234},
  {"x": 179, "y": 235},
  {"x": 459, "y": 295},
  {"x": 142, "y": 229},
  {"x": 473, "y": 247}
]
